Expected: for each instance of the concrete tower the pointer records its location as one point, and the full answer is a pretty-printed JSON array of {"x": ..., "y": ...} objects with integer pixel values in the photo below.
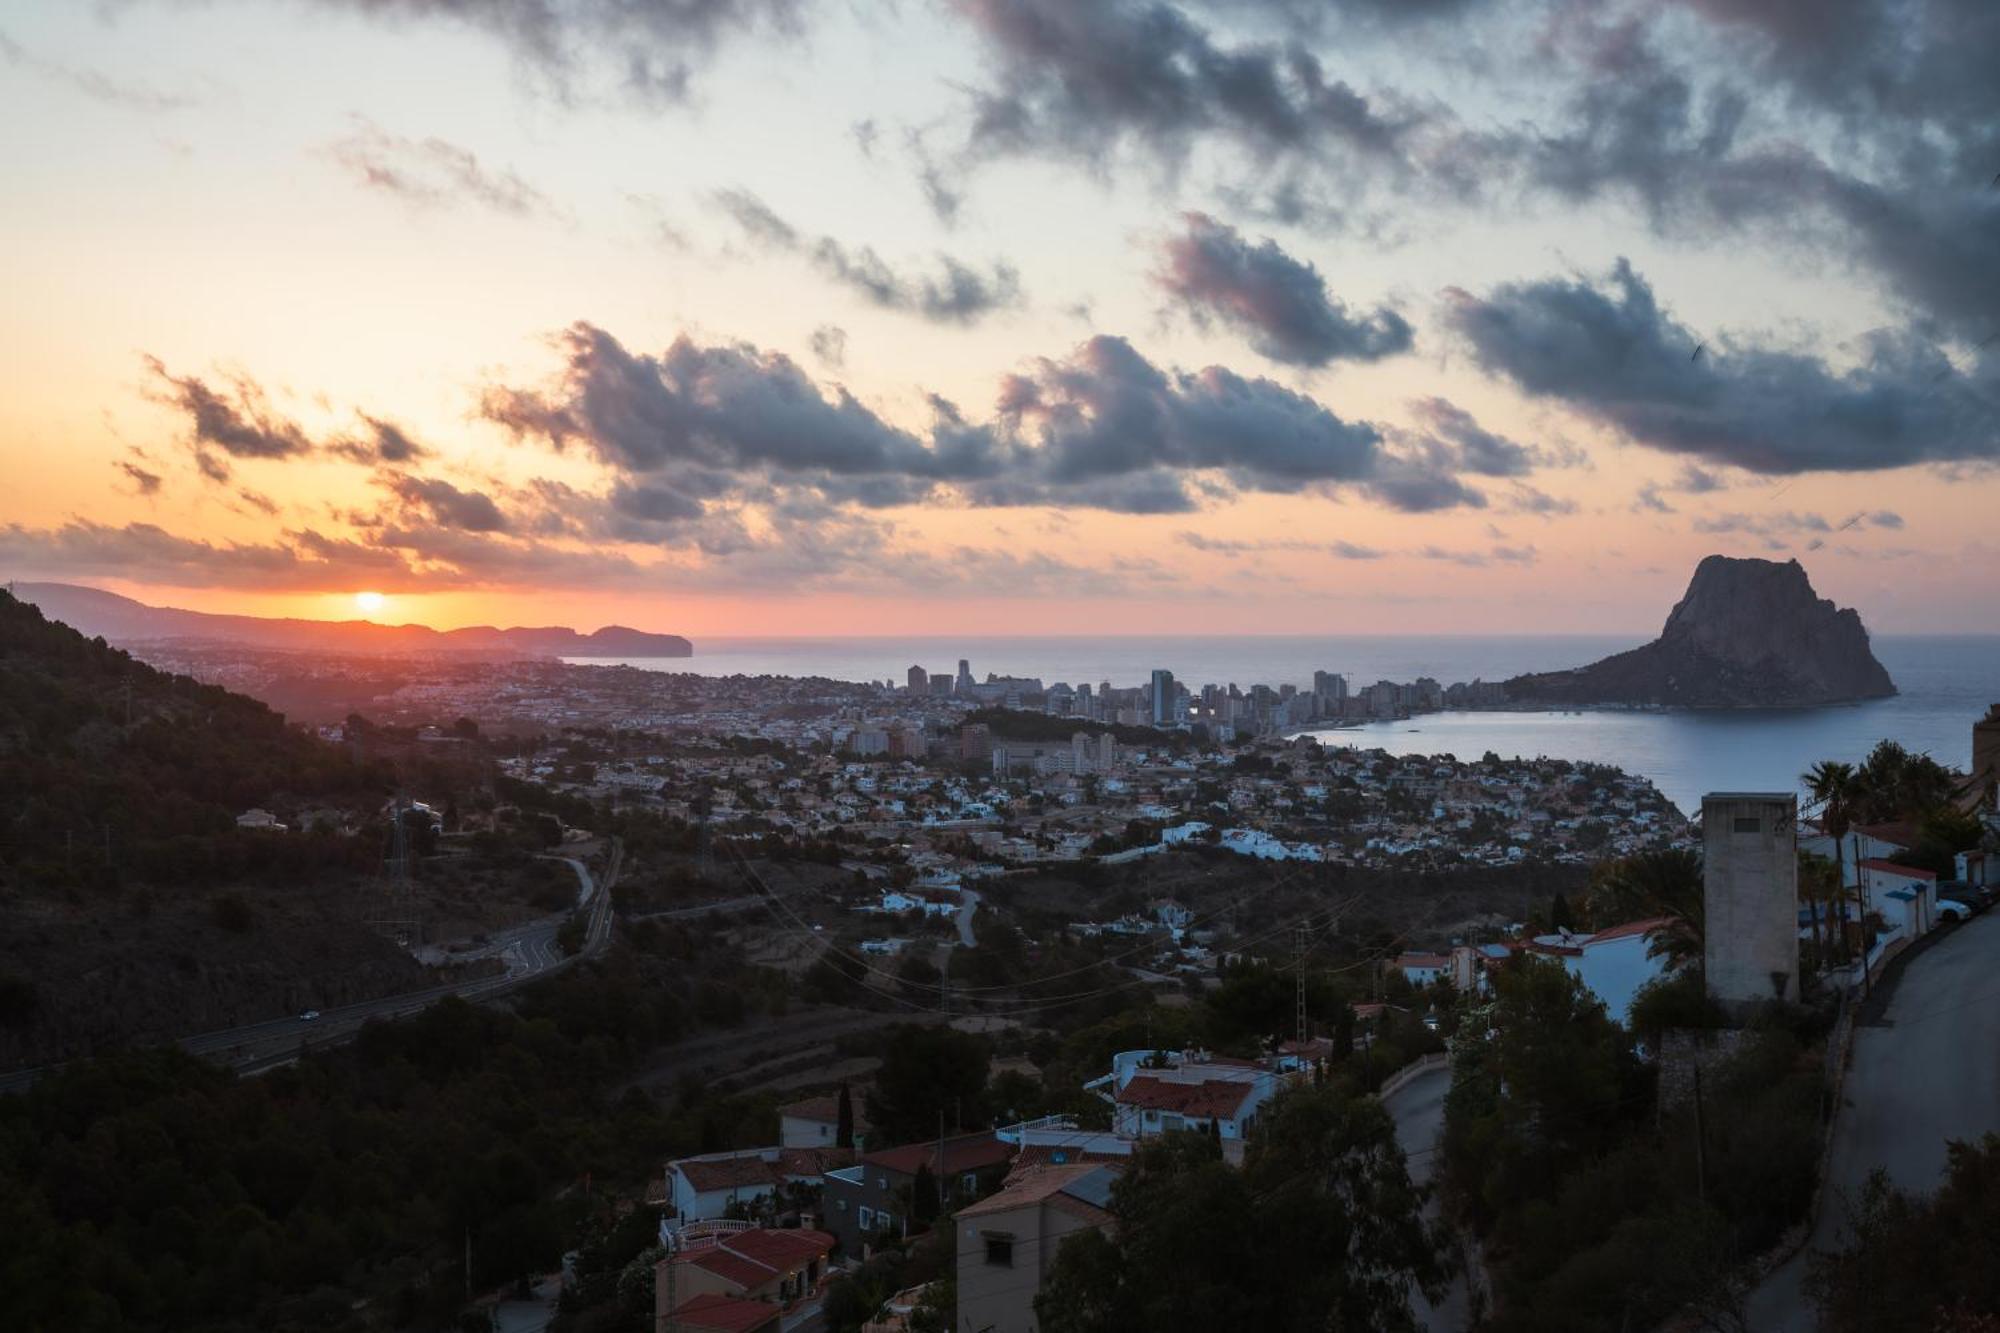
[
  {"x": 1986, "y": 754},
  {"x": 1751, "y": 896}
]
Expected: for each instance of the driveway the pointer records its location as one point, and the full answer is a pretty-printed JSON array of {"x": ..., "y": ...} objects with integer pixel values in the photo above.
[
  {"x": 1922, "y": 1075},
  {"x": 1418, "y": 1110}
]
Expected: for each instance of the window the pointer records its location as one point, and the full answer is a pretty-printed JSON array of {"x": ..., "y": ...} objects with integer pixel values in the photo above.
[
  {"x": 1749, "y": 824},
  {"x": 866, "y": 1219},
  {"x": 1000, "y": 1251},
  {"x": 969, "y": 1182}
]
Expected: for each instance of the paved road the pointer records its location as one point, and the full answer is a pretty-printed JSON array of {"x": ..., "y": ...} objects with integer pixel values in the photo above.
[
  {"x": 529, "y": 952},
  {"x": 1418, "y": 1110},
  {"x": 1923, "y": 1075},
  {"x": 968, "y": 908}
]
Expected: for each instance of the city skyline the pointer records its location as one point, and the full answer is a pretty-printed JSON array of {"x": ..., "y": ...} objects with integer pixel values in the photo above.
[{"x": 1000, "y": 315}]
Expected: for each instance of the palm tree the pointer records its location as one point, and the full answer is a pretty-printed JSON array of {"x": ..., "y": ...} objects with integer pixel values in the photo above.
[
  {"x": 1657, "y": 884},
  {"x": 1837, "y": 788}
]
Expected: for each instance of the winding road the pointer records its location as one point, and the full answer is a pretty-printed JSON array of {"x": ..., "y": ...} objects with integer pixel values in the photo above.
[
  {"x": 529, "y": 952},
  {"x": 1922, "y": 1074},
  {"x": 1418, "y": 1110}
]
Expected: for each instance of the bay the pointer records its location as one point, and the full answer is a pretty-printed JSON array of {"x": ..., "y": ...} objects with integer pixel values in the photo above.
[{"x": 1946, "y": 683}]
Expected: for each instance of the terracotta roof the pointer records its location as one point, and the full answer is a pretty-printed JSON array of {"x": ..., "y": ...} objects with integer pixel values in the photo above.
[
  {"x": 1043, "y": 1184},
  {"x": 1629, "y": 929},
  {"x": 1423, "y": 960},
  {"x": 969, "y": 1152},
  {"x": 812, "y": 1161},
  {"x": 1891, "y": 868},
  {"x": 1205, "y": 1100},
  {"x": 1037, "y": 1155},
  {"x": 726, "y": 1173},
  {"x": 751, "y": 1258},
  {"x": 726, "y": 1314}
]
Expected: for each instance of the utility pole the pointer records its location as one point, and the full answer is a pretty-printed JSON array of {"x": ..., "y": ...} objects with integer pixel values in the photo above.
[
  {"x": 1299, "y": 965},
  {"x": 1700, "y": 1141}
]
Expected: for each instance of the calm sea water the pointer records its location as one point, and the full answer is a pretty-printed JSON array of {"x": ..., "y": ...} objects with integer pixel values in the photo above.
[{"x": 1946, "y": 684}]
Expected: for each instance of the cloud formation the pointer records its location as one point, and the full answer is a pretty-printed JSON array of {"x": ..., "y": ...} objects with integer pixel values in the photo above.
[
  {"x": 957, "y": 293},
  {"x": 654, "y": 47},
  {"x": 1089, "y": 79},
  {"x": 1280, "y": 302},
  {"x": 431, "y": 173},
  {"x": 1102, "y": 428},
  {"x": 1609, "y": 351}
]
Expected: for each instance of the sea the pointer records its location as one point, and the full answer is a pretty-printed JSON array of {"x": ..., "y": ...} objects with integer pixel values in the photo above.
[{"x": 1945, "y": 684}]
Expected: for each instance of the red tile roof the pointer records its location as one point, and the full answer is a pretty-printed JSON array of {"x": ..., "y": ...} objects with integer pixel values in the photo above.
[
  {"x": 970, "y": 1152},
  {"x": 1629, "y": 929},
  {"x": 726, "y": 1314},
  {"x": 727, "y": 1173},
  {"x": 1208, "y": 1099},
  {"x": 1043, "y": 1184},
  {"x": 797, "y": 1162},
  {"x": 752, "y": 1258}
]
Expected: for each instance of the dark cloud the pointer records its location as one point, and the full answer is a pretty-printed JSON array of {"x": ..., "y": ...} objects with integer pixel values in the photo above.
[
  {"x": 1090, "y": 78},
  {"x": 653, "y": 47},
  {"x": 386, "y": 443},
  {"x": 238, "y": 420},
  {"x": 297, "y": 561},
  {"x": 446, "y": 505},
  {"x": 1281, "y": 302},
  {"x": 431, "y": 173},
  {"x": 147, "y": 483},
  {"x": 956, "y": 294},
  {"x": 1102, "y": 428},
  {"x": 1457, "y": 440},
  {"x": 1610, "y": 352},
  {"x": 829, "y": 345}
]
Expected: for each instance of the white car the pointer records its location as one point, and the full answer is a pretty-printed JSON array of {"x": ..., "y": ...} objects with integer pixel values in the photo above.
[
  {"x": 1950, "y": 909},
  {"x": 309, "y": 1016}
]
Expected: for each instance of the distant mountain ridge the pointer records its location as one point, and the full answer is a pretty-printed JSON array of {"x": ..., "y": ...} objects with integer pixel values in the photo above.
[
  {"x": 97, "y": 613},
  {"x": 1747, "y": 634}
]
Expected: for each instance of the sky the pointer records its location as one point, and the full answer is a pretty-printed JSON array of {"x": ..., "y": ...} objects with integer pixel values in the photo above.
[{"x": 761, "y": 317}]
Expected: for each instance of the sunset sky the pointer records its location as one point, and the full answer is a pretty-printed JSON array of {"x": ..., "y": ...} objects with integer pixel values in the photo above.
[{"x": 1001, "y": 316}]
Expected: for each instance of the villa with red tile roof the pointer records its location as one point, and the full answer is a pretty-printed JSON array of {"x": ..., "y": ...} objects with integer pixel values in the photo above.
[{"x": 755, "y": 1265}]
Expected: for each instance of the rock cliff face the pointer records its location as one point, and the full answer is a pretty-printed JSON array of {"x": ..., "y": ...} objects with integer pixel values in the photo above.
[{"x": 1748, "y": 634}]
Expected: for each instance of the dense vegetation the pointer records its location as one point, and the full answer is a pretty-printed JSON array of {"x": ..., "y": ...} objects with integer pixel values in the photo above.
[
  {"x": 1600, "y": 1207},
  {"x": 149, "y": 1191},
  {"x": 1321, "y": 1228},
  {"x": 1919, "y": 1264},
  {"x": 117, "y": 770}
]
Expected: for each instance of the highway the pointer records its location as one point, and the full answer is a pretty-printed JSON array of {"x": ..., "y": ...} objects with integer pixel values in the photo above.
[
  {"x": 1921, "y": 1075},
  {"x": 528, "y": 952}
]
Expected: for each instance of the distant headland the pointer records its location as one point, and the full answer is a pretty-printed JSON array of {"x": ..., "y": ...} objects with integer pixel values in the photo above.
[
  {"x": 119, "y": 619},
  {"x": 1748, "y": 634}
]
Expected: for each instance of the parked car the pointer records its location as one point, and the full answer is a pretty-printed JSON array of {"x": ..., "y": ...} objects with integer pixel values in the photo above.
[
  {"x": 1950, "y": 909},
  {"x": 1978, "y": 897},
  {"x": 309, "y": 1016}
]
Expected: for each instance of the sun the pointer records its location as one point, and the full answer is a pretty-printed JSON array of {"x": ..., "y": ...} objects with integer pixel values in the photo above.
[{"x": 370, "y": 603}]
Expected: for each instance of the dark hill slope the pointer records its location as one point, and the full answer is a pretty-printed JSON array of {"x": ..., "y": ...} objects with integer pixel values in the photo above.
[{"x": 100, "y": 752}]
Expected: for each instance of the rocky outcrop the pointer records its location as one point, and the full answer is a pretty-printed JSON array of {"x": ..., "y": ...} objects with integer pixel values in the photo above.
[{"x": 1748, "y": 634}]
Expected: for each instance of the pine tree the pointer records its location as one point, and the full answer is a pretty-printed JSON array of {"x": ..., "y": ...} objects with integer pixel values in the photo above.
[{"x": 843, "y": 1129}]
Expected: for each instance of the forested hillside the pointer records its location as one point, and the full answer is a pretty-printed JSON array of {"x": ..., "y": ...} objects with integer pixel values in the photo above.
[{"x": 117, "y": 772}]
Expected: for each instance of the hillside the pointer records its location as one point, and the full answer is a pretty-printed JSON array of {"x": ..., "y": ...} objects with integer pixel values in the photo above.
[
  {"x": 132, "y": 908},
  {"x": 121, "y": 619},
  {"x": 1747, "y": 634}
]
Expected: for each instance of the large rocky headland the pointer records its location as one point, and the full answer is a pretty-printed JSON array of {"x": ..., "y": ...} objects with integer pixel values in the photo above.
[{"x": 1747, "y": 634}]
